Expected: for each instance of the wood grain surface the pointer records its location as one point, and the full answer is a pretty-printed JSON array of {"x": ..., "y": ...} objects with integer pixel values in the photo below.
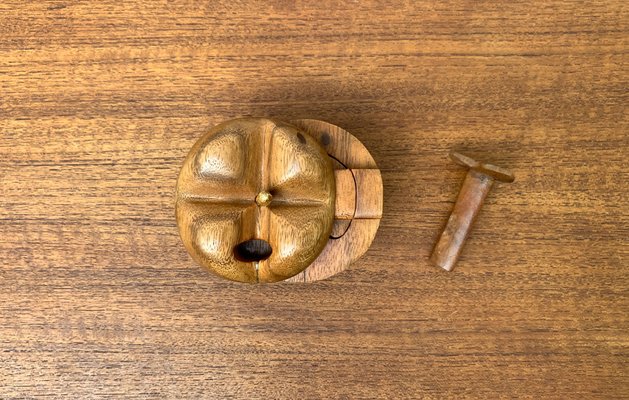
[
  {"x": 349, "y": 239},
  {"x": 255, "y": 200},
  {"x": 101, "y": 101}
]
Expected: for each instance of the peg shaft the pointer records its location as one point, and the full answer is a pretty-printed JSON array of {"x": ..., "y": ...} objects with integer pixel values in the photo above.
[{"x": 468, "y": 204}]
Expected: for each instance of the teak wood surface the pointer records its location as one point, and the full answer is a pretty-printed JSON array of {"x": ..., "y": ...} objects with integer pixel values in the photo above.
[
  {"x": 260, "y": 181},
  {"x": 100, "y": 101}
]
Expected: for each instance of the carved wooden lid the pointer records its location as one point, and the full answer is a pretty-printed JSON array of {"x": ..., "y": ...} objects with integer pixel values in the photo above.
[{"x": 255, "y": 200}]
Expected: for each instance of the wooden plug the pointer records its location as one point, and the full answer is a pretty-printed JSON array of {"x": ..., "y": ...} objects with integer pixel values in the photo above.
[{"x": 358, "y": 194}]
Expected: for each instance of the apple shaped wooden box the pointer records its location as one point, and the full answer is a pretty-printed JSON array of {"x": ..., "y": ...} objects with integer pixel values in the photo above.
[{"x": 261, "y": 200}]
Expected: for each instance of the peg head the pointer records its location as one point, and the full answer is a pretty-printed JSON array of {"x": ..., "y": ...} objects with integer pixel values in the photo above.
[{"x": 495, "y": 172}]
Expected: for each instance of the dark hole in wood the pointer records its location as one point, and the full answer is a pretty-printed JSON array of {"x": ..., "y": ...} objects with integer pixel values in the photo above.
[{"x": 253, "y": 250}]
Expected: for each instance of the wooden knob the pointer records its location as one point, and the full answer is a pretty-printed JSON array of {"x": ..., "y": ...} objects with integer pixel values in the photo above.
[{"x": 255, "y": 200}]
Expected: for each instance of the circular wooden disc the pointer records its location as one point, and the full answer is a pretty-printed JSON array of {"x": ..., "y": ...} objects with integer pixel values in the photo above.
[{"x": 351, "y": 238}]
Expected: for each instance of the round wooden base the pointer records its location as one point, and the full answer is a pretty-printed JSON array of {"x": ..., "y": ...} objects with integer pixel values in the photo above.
[{"x": 350, "y": 237}]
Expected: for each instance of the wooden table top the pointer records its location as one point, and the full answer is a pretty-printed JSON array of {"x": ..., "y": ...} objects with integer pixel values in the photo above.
[{"x": 101, "y": 101}]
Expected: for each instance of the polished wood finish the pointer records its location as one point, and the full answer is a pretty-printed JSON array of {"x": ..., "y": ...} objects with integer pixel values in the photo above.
[
  {"x": 258, "y": 200},
  {"x": 100, "y": 101},
  {"x": 345, "y": 203},
  {"x": 351, "y": 236},
  {"x": 368, "y": 193},
  {"x": 260, "y": 182},
  {"x": 476, "y": 186}
]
